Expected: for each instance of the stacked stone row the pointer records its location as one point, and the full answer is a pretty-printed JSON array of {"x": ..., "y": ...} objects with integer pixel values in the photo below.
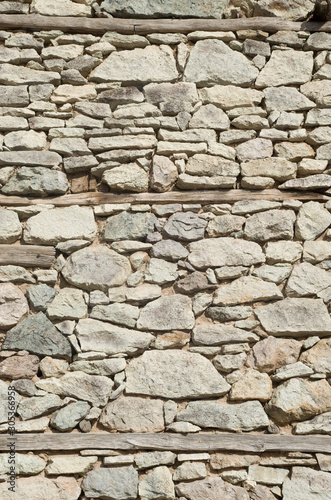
[{"x": 131, "y": 113}]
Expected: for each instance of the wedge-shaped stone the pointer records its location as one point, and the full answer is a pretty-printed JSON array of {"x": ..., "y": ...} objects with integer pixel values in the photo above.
[
  {"x": 318, "y": 91},
  {"x": 213, "y": 334},
  {"x": 295, "y": 317},
  {"x": 63, "y": 224},
  {"x": 318, "y": 357},
  {"x": 298, "y": 399},
  {"x": 270, "y": 225},
  {"x": 38, "y": 335},
  {"x": 286, "y": 99},
  {"x": 68, "y": 304},
  {"x": 174, "y": 374},
  {"x": 230, "y": 96},
  {"x": 277, "y": 168},
  {"x": 212, "y": 61},
  {"x": 217, "y": 252},
  {"x": 19, "y": 75},
  {"x": 307, "y": 280},
  {"x": 170, "y": 312},
  {"x": 96, "y": 268},
  {"x": 286, "y": 67},
  {"x": 312, "y": 221},
  {"x": 306, "y": 484},
  {"x": 185, "y": 226},
  {"x": 94, "y": 335},
  {"x": 151, "y": 64},
  {"x": 105, "y": 367},
  {"x": 212, "y": 489},
  {"x": 37, "y": 181},
  {"x": 70, "y": 465},
  {"x": 92, "y": 388},
  {"x": 283, "y": 251},
  {"x": 240, "y": 417},
  {"x": 133, "y": 415},
  {"x": 120, "y": 483},
  {"x": 246, "y": 289},
  {"x": 42, "y": 488},
  {"x": 317, "y": 425},
  {"x": 157, "y": 8},
  {"x": 30, "y": 158}
]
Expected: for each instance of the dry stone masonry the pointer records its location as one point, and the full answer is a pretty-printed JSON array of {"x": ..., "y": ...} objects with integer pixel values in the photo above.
[{"x": 167, "y": 318}]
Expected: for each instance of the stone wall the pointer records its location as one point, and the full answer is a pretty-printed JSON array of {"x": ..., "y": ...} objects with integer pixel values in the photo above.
[{"x": 175, "y": 318}]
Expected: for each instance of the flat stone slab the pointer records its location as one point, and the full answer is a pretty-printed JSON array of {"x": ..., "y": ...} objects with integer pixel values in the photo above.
[
  {"x": 167, "y": 313},
  {"x": 213, "y": 488},
  {"x": 133, "y": 415},
  {"x": 36, "y": 181},
  {"x": 295, "y": 317},
  {"x": 96, "y": 268},
  {"x": 119, "y": 483},
  {"x": 306, "y": 483},
  {"x": 286, "y": 67},
  {"x": 174, "y": 374},
  {"x": 245, "y": 290},
  {"x": 42, "y": 488},
  {"x": 30, "y": 158},
  {"x": 171, "y": 8}
]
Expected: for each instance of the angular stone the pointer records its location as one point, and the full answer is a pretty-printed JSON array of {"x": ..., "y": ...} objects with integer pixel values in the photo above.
[
  {"x": 105, "y": 367},
  {"x": 312, "y": 220},
  {"x": 151, "y": 64},
  {"x": 251, "y": 386},
  {"x": 120, "y": 483},
  {"x": 212, "y": 61},
  {"x": 286, "y": 99},
  {"x": 186, "y": 181},
  {"x": 267, "y": 475},
  {"x": 295, "y": 317},
  {"x": 283, "y": 251},
  {"x": 254, "y": 149},
  {"x": 278, "y": 168},
  {"x": 186, "y": 226},
  {"x": 40, "y": 296},
  {"x": 236, "y": 417},
  {"x": 15, "y": 274},
  {"x": 290, "y": 371},
  {"x": 271, "y": 225},
  {"x": 61, "y": 8},
  {"x": 38, "y": 406},
  {"x": 309, "y": 183},
  {"x": 62, "y": 224},
  {"x": 151, "y": 459},
  {"x": 213, "y": 488},
  {"x": 202, "y": 164},
  {"x": 192, "y": 283},
  {"x": 109, "y": 339},
  {"x": 37, "y": 181},
  {"x": 167, "y": 313},
  {"x": 224, "y": 252},
  {"x": 157, "y": 485},
  {"x": 70, "y": 465},
  {"x": 188, "y": 471},
  {"x": 14, "y": 96},
  {"x": 128, "y": 226},
  {"x": 317, "y": 425},
  {"x": 306, "y": 483},
  {"x": 276, "y": 71},
  {"x": 307, "y": 280},
  {"x": 245, "y": 290},
  {"x": 144, "y": 293},
  {"x": 229, "y": 362},
  {"x": 18, "y": 75},
  {"x": 169, "y": 250},
  {"x": 297, "y": 399},
  {"x": 272, "y": 353},
  {"x": 72, "y": 93},
  {"x": 294, "y": 151},
  {"x": 223, "y": 225},
  {"x": 92, "y": 388},
  {"x": 51, "y": 367},
  {"x": 230, "y": 96},
  {"x": 229, "y": 313},
  {"x": 213, "y": 335},
  {"x": 13, "y": 305},
  {"x": 253, "y": 206},
  {"x": 42, "y": 488},
  {"x": 318, "y": 357},
  {"x": 26, "y": 140},
  {"x": 37, "y": 334},
  {"x": 209, "y": 116},
  {"x": 133, "y": 415},
  {"x": 174, "y": 374},
  {"x": 171, "y": 92},
  {"x": 96, "y": 268},
  {"x": 16, "y": 367},
  {"x": 25, "y": 465},
  {"x": 128, "y": 8},
  {"x": 163, "y": 174},
  {"x": 69, "y": 303},
  {"x": 160, "y": 272},
  {"x": 120, "y": 314},
  {"x": 10, "y": 226},
  {"x": 276, "y": 274},
  {"x": 129, "y": 177}
]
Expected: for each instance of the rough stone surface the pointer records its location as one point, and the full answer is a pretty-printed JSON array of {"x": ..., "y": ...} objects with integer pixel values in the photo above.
[
  {"x": 212, "y": 489},
  {"x": 246, "y": 289},
  {"x": 312, "y": 220},
  {"x": 133, "y": 415},
  {"x": 43, "y": 488},
  {"x": 17, "y": 367},
  {"x": 272, "y": 353},
  {"x": 117, "y": 483},
  {"x": 174, "y": 374},
  {"x": 69, "y": 303},
  {"x": 163, "y": 175},
  {"x": 13, "y": 305},
  {"x": 67, "y": 418},
  {"x": 127, "y": 226},
  {"x": 201, "y": 9},
  {"x": 38, "y": 181},
  {"x": 167, "y": 313},
  {"x": 10, "y": 226},
  {"x": 251, "y": 386},
  {"x": 286, "y": 68},
  {"x": 270, "y": 225},
  {"x": 157, "y": 485},
  {"x": 318, "y": 357},
  {"x": 186, "y": 226},
  {"x": 306, "y": 484}
]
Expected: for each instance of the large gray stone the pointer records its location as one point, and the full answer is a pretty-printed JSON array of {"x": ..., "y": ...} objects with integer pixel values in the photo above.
[
  {"x": 295, "y": 317},
  {"x": 307, "y": 484},
  {"x": 318, "y": 357},
  {"x": 174, "y": 374},
  {"x": 42, "y": 488},
  {"x": 185, "y": 226},
  {"x": 105, "y": 367},
  {"x": 170, "y": 312},
  {"x": 287, "y": 9},
  {"x": 272, "y": 353},
  {"x": 96, "y": 268},
  {"x": 312, "y": 220},
  {"x": 10, "y": 226},
  {"x": 236, "y": 417},
  {"x": 109, "y": 339},
  {"x": 298, "y": 399},
  {"x": 317, "y": 425},
  {"x": 307, "y": 280},
  {"x": 271, "y": 225},
  {"x": 213, "y": 334},
  {"x": 95, "y": 389},
  {"x": 133, "y": 415},
  {"x": 116, "y": 483},
  {"x": 69, "y": 304},
  {"x": 246, "y": 289},
  {"x": 217, "y": 252},
  {"x": 157, "y": 485},
  {"x": 230, "y": 96},
  {"x": 286, "y": 67},
  {"x": 212, "y": 61},
  {"x": 128, "y": 226},
  {"x": 18, "y": 75},
  {"x": 277, "y": 168},
  {"x": 13, "y": 305},
  {"x": 171, "y": 8},
  {"x": 37, "y": 181},
  {"x": 38, "y": 335},
  {"x": 30, "y": 158},
  {"x": 202, "y": 164},
  {"x": 213, "y": 488},
  {"x": 286, "y": 99},
  {"x": 40, "y": 296},
  {"x": 67, "y": 418},
  {"x": 151, "y": 64},
  {"x": 14, "y": 96},
  {"x": 128, "y": 177},
  {"x": 38, "y": 406},
  {"x": 25, "y": 465},
  {"x": 52, "y": 226}
]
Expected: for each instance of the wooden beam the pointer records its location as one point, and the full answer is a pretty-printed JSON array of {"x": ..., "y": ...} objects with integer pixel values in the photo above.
[
  {"x": 256, "y": 443},
  {"x": 203, "y": 197},
  {"x": 144, "y": 26},
  {"x": 27, "y": 255}
]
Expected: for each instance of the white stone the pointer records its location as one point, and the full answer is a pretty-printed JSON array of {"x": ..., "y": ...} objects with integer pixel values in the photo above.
[
  {"x": 286, "y": 67},
  {"x": 245, "y": 290}
]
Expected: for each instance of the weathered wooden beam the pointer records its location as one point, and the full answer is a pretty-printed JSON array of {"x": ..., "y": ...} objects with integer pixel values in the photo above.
[
  {"x": 257, "y": 443},
  {"x": 203, "y": 197},
  {"x": 144, "y": 26},
  {"x": 27, "y": 255}
]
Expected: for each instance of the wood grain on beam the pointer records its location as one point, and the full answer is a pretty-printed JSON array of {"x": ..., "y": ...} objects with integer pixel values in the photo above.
[
  {"x": 26, "y": 255},
  {"x": 144, "y": 26},
  {"x": 257, "y": 443},
  {"x": 203, "y": 197}
]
